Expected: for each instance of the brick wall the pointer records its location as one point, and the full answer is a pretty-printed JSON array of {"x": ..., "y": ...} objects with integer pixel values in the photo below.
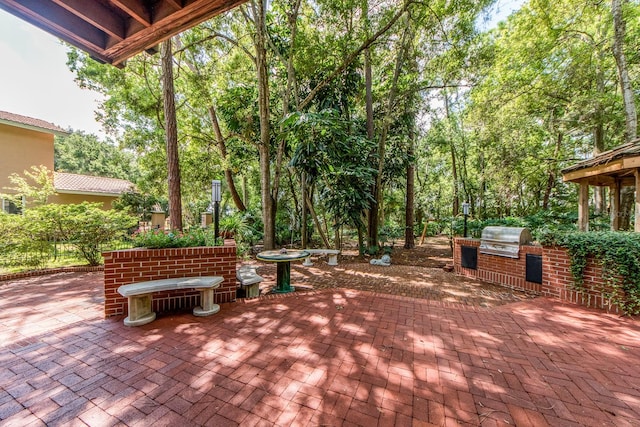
[
  {"x": 509, "y": 272},
  {"x": 557, "y": 280},
  {"x": 139, "y": 265}
]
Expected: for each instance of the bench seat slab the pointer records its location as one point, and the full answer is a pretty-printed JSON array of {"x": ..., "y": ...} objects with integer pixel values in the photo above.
[
  {"x": 139, "y": 296},
  {"x": 332, "y": 253}
]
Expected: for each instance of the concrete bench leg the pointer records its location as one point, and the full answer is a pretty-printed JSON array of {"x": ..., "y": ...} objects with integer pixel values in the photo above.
[
  {"x": 252, "y": 291},
  {"x": 139, "y": 311},
  {"x": 207, "y": 307},
  {"x": 307, "y": 262},
  {"x": 333, "y": 259}
]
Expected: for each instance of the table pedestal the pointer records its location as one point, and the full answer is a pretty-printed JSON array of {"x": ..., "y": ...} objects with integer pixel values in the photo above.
[
  {"x": 283, "y": 278},
  {"x": 283, "y": 258}
]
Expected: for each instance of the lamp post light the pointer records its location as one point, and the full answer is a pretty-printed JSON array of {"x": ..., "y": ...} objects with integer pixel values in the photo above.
[
  {"x": 215, "y": 198},
  {"x": 465, "y": 211}
]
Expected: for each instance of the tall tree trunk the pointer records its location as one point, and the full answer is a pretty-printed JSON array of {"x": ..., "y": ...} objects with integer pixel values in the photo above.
[
  {"x": 409, "y": 207},
  {"x": 599, "y": 192},
  {"x": 630, "y": 114},
  {"x": 375, "y": 213},
  {"x": 171, "y": 136},
  {"x": 245, "y": 190},
  {"x": 292, "y": 19},
  {"x": 598, "y": 129},
  {"x": 454, "y": 167},
  {"x": 259, "y": 8},
  {"x": 228, "y": 175},
  {"x": 316, "y": 220},
  {"x": 551, "y": 179},
  {"x": 303, "y": 211},
  {"x": 372, "y": 214}
]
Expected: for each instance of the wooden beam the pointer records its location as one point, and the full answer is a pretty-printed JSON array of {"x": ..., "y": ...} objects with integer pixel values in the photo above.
[
  {"x": 97, "y": 15},
  {"x": 115, "y": 30},
  {"x": 176, "y": 4},
  {"x": 607, "y": 168},
  {"x": 614, "y": 197},
  {"x": 631, "y": 162},
  {"x": 637, "y": 213},
  {"x": 583, "y": 206},
  {"x": 59, "y": 22},
  {"x": 136, "y": 10}
]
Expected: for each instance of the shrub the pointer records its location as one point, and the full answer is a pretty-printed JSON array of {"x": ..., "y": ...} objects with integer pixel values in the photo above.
[
  {"x": 22, "y": 243},
  {"x": 157, "y": 239},
  {"x": 86, "y": 226}
]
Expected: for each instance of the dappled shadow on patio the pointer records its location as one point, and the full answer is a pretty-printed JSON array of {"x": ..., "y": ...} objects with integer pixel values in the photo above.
[
  {"x": 403, "y": 280},
  {"x": 324, "y": 357}
]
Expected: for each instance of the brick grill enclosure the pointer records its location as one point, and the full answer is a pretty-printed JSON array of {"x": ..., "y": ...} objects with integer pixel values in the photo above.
[
  {"x": 140, "y": 265},
  {"x": 557, "y": 280}
]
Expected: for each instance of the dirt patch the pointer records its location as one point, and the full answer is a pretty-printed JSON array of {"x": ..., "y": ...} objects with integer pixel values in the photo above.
[
  {"x": 435, "y": 252},
  {"x": 416, "y": 272}
]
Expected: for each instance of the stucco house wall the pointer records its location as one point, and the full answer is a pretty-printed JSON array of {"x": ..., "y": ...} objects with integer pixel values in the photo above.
[
  {"x": 26, "y": 142},
  {"x": 67, "y": 199},
  {"x": 21, "y": 149}
]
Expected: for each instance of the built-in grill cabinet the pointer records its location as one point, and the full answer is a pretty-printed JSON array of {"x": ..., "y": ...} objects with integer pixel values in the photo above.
[{"x": 504, "y": 241}]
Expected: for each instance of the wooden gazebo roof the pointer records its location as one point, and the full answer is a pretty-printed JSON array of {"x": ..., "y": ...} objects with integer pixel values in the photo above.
[
  {"x": 113, "y": 30},
  {"x": 618, "y": 164},
  {"x": 616, "y": 168}
]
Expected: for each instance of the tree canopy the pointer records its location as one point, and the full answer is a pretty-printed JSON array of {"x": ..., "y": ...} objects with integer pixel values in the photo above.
[{"x": 332, "y": 108}]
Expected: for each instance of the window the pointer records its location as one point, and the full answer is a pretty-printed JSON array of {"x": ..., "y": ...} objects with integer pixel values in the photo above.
[{"x": 10, "y": 207}]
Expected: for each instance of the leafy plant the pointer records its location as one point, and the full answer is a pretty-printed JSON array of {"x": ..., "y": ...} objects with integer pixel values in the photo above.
[
  {"x": 237, "y": 224},
  {"x": 86, "y": 226},
  {"x": 35, "y": 185},
  {"x": 389, "y": 234},
  {"x": 157, "y": 239},
  {"x": 21, "y": 242},
  {"x": 618, "y": 253}
]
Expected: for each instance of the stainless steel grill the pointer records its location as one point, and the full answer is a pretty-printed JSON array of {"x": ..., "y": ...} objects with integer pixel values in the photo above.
[{"x": 504, "y": 241}]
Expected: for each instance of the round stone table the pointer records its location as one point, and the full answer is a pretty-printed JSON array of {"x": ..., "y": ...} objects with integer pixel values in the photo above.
[{"x": 283, "y": 259}]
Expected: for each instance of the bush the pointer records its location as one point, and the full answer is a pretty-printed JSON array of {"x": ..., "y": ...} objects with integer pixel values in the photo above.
[
  {"x": 22, "y": 243},
  {"x": 86, "y": 226},
  {"x": 157, "y": 239}
]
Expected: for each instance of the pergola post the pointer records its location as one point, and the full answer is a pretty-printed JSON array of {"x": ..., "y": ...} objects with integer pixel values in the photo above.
[
  {"x": 637, "y": 213},
  {"x": 583, "y": 206},
  {"x": 615, "y": 205}
]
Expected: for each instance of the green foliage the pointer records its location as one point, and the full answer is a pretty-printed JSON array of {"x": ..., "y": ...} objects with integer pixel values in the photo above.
[
  {"x": 334, "y": 161},
  {"x": 84, "y": 225},
  {"x": 157, "y": 239},
  {"x": 83, "y": 153},
  {"x": 618, "y": 253},
  {"x": 22, "y": 243},
  {"x": 388, "y": 235},
  {"x": 238, "y": 224},
  {"x": 35, "y": 185},
  {"x": 539, "y": 224},
  {"x": 140, "y": 205}
]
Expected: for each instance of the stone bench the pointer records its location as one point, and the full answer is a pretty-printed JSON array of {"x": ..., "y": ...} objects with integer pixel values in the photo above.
[
  {"x": 139, "y": 296},
  {"x": 333, "y": 256},
  {"x": 249, "y": 281}
]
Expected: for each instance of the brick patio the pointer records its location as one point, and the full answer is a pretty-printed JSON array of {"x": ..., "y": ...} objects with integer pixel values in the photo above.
[{"x": 326, "y": 357}]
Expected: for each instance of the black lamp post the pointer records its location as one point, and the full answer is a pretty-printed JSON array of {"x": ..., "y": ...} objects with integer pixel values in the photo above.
[
  {"x": 465, "y": 211},
  {"x": 215, "y": 198}
]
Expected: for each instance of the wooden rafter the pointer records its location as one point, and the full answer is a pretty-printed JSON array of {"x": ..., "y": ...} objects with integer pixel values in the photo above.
[{"x": 112, "y": 31}]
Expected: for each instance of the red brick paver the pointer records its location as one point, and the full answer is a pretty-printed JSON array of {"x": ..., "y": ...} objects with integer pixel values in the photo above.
[{"x": 328, "y": 357}]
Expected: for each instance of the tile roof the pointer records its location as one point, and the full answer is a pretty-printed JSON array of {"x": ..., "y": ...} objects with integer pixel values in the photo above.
[
  {"x": 83, "y": 184},
  {"x": 630, "y": 149},
  {"x": 30, "y": 123}
]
